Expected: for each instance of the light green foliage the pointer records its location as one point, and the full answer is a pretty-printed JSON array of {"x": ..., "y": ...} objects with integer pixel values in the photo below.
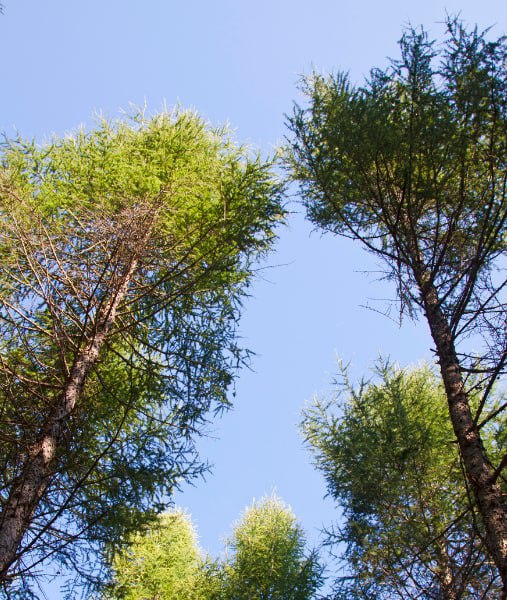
[
  {"x": 266, "y": 559},
  {"x": 387, "y": 453},
  {"x": 165, "y": 217},
  {"x": 269, "y": 560},
  {"x": 159, "y": 563}
]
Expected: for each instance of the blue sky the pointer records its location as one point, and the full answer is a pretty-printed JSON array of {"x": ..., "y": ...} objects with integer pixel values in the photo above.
[{"x": 237, "y": 62}]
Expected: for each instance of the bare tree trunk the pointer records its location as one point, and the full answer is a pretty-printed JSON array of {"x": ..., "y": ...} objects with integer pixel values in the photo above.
[
  {"x": 38, "y": 465},
  {"x": 479, "y": 470}
]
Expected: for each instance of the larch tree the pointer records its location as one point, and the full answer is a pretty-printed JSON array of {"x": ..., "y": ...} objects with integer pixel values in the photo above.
[
  {"x": 161, "y": 561},
  {"x": 124, "y": 255},
  {"x": 385, "y": 448},
  {"x": 265, "y": 558},
  {"x": 268, "y": 559},
  {"x": 414, "y": 165}
]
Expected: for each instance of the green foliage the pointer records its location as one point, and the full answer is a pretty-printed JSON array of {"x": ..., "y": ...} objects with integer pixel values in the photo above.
[
  {"x": 387, "y": 453},
  {"x": 159, "y": 562},
  {"x": 412, "y": 163},
  {"x": 269, "y": 560},
  {"x": 166, "y": 217},
  {"x": 210, "y": 580}
]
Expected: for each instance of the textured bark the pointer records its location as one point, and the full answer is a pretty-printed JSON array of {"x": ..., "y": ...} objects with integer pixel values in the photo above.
[
  {"x": 39, "y": 465},
  {"x": 479, "y": 470}
]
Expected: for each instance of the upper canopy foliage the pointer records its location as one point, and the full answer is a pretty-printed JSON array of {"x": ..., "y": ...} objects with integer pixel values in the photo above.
[
  {"x": 137, "y": 238},
  {"x": 413, "y": 163},
  {"x": 160, "y": 562},
  {"x": 268, "y": 560},
  {"x": 387, "y": 454}
]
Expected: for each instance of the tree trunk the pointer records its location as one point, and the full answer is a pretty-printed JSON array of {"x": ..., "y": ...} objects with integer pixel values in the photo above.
[
  {"x": 38, "y": 465},
  {"x": 479, "y": 470}
]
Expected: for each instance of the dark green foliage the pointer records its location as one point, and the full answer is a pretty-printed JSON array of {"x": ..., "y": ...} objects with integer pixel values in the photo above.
[{"x": 413, "y": 164}]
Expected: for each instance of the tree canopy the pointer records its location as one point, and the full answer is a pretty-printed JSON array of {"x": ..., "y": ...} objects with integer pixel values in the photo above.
[
  {"x": 269, "y": 560},
  {"x": 161, "y": 561},
  {"x": 124, "y": 252},
  {"x": 387, "y": 454},
  {"x": 266, "y": 558},
  {"x": 413, "y": 164}
]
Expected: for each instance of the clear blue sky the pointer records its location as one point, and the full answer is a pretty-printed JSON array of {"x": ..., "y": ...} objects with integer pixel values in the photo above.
[{"x": 237, "y": 61}]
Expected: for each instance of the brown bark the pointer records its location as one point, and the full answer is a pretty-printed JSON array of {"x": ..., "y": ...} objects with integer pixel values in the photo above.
[{"x": 479, "y": 470}]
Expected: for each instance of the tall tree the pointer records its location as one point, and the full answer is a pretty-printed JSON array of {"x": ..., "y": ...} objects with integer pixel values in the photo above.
[
  {"x": 413, "y": 164},
  {"x": 385, "y": 449},
  {"x": 266, "y": 559},
  {"x": 124, "y": 254},
  {"x": 162, "y": 561},
  {"x": 269, "y": 560}
]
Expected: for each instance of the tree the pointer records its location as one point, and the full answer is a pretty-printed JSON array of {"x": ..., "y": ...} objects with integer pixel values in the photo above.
[
  {"x": 413, "y": 164},
  {"x": 268, "y": 561},
  {"x": 163, "y": 561},
  {"x": 268, "y": 558},
  {"x": 124, "y": 252},
  {"x": 386, "y": 452},
  {"x": 160, "y": 562}
]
